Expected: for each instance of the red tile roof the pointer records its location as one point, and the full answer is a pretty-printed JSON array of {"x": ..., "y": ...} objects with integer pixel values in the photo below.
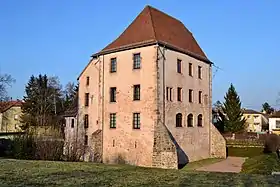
[
  {"x": 152, "y": 26},
  {"x": 6, "y": 105}
]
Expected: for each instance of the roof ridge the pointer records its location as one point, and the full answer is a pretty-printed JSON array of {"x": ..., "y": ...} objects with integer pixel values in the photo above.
[{"x": 152, "y": 21}]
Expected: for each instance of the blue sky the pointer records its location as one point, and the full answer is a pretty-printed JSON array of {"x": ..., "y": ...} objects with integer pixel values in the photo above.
[{"x": 57, "y": 38}]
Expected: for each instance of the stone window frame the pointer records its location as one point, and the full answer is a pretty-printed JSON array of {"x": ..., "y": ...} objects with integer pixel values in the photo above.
[
  {"x": 136, "y": 92},
  {"x": 190, "y": 120},
  {"x": 179, "y": 120},
  {"x": 136, "y": 121},
  {"x": 200, "y": 97},
  {"x": 86, "y": 140},
  {"x": 113, "y": 120},
  {"x": 199, "y": 72},
  {"x": 86, "y": 121},
  {"x": 179, "y": 94},
  {"x": 137, "y": 60},
  {"x": 113, "y": 65},
  {"x": 190, "y": 69},
  {"x": 87, "y": 81},
  {"x": 190, "y": 95},
  {"x": 200, "y": 120},
  {"x": 86, "y": 99},
  {"x": 169, "y": 93}
]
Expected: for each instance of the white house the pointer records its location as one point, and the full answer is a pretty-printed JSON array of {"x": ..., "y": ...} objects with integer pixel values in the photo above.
[{"x": 274, "y": 123}]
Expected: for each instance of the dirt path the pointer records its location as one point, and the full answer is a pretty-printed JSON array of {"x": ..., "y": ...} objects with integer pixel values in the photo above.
[{"x": 231, "y": 164}]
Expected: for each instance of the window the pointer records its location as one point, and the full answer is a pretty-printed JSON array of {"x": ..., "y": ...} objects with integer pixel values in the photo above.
[
  {"x": 136, "y": 61},
  {"x": 168, "y": 94},
  {"x": 277, "y": 124},
  {"x": 86, "y": 99},
  {"x": 179, "y": 94},
  {"x": 72, "y": 123},
  {"x": 113, "y": 120},
  {"x": 199, "y": 120},
  {"x": 190, "y": 95},
  {"x": 199, "y": 72},
  {"x": 113, "y": 143},
  {"x": 113, "y": 67},
  {"x": 136, "y": 120},
  {"x": 87, "y": 81},
  {"x": 86, "y": 121},
  {"x": 86, "y": 140},
  {"x": 190, "y": 69},
  {"x": 136, "y": 92},
  {"x": 190, "y": 120},
  {"x": 179, "y": 66},
  {"x": 179, "y": 120},
  {"x": 200, "y": 97},
  {"x": 113, "y": 92}
]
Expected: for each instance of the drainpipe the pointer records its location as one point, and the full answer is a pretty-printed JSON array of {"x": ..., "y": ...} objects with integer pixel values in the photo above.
[
  {"x": 210, "y": 109},
  {"x": 102, "y": 134}
]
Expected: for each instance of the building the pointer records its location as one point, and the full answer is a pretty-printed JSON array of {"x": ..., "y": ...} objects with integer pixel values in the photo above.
[
  {"x": 274, "y": 123},
  {"x": 145, "y": 99},
  {"x": 10, "y": 112},
  {"x": 255, "y": 121}
]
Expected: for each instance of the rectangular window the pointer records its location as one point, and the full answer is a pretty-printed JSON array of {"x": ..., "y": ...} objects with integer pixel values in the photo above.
[
  {"x": 86, "y": 140},
  {"x": 168, "y": 93},
  {"x": 86, "y": 121},
  {"x": 86, "y": 99},
  {"x": 200, "y": 97},
  {"x": 179, "y": 94},
  {"x": 179, "y": 66},
  {"x": 113, "y": 92},
  {"x": 136, "y": 92},
  {"x": 113, "y": 67},
  {"x": 72, "y": 123},
  {"x": 190, "y": 95},
  {"x": 136, "y": 120},
  {"x": 113, "y": 120},
  {"x": 199, "y": 72},
  {"x": 87, "y": 81},
  {"x": 136, "y": 61},
  {"x": 190, "y": 69},
  {"x": 277, "y": 124}
]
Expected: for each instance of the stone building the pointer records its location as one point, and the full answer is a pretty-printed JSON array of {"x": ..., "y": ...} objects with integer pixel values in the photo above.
[{"x": 145, "y": 99}]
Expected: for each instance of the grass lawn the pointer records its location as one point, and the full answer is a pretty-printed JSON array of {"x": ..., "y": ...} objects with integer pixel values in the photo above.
[
  {"x": 245, "y": 151},
  {"x": 262, "y": 164},
  {"x": 47, "y": 173}
]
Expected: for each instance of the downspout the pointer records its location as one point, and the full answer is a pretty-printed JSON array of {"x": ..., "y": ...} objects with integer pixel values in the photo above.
[
  {"x": 102, "y": 134},
  {"x": 210, "y": 109}
]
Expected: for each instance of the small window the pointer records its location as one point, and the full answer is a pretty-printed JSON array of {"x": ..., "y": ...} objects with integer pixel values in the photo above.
[
  {"x": 113, "y": 67},
  {"x": 190, "y": 95},
  {"x": 136, "y": 61},
  {"x": 179, "y": 94},
  {"x": 190, "y": 120},
  {"x": 86, "y": 140},
  {"x": 86, "y": 99},
  {"x": 277, "y": 124},
  {"x": 200, "y": 97},
  {"x": 136, "y": 92},
  {"x": 113, "y": 92},
  {"x": 179, "y": 66},
  {"x": 72, "y": 123},
  {"x": 136, "y": 120},
  {"x": 179, "y": 120},
  {"x": 113, "y": 120},
  {"x": 113, "y": 143},
  {"x": 87, "y": 81},
  {"x": 86, "y": 121},
  {"x": 190, "y": 69},
  {"x": 199, "y": 120},
  {"x": 199, "y": 72},
  {"x": 168, "y": 94}
]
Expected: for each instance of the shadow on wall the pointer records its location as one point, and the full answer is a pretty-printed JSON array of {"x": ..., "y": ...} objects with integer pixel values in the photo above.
[{"x": 183, "y": 159}]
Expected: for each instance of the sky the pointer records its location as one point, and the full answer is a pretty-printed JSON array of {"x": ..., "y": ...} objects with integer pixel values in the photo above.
[{"x": 57, "y": 38}]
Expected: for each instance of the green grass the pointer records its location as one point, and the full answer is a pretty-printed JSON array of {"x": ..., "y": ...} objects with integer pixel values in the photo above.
[
  {"x": 245, "y": 151},
  {"x": 47, "y": 173},
  {"x": 262, "y": 164},
  {"x": 197, "y": 164}
]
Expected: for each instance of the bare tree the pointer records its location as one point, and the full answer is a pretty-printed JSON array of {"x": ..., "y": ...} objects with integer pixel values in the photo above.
[{"x": 5, "y": 81}]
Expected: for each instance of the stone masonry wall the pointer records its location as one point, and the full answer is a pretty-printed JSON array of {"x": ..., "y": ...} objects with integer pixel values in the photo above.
[{"x": 218, "y": 143}]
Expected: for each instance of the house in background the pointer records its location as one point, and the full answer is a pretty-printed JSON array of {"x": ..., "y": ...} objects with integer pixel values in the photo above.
[
  {"x": 274, "y": 123},
  {"x": 146, "y": 98},
  {"x": 10, "y": 112},
  {"x": 256, "y": 121}
]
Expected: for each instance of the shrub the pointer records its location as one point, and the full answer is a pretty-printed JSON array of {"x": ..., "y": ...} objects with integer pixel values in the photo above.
[
  {"x": 49, "y": 149},
  {"x": 5, "y": 146},
  {"x": 23, "y": 147},
  {"x": 244, "y": 151},
  {"x": 271, "y": 143}
]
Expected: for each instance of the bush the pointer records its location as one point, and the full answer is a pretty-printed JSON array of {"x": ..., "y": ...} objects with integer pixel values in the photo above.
[
  {"x": 263, "y": 164},
  {"x": 271, "y": 143},
  {"x": 5, "y": 146},
  {"x": 23, "y": 147},
  {"x": 244, "y": 151}
]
